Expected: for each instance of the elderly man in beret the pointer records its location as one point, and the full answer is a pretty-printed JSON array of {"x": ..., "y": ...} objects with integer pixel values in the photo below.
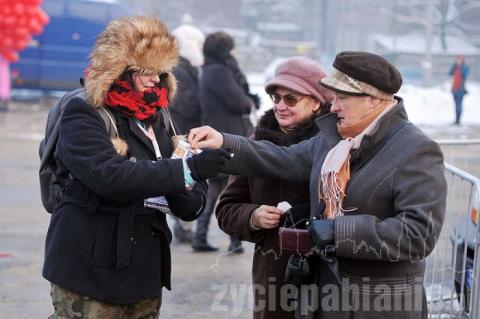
[{"x": 377, "y": 192}]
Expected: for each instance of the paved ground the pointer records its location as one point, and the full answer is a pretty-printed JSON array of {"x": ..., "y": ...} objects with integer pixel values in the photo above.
[{"x": 203, "y": 284}]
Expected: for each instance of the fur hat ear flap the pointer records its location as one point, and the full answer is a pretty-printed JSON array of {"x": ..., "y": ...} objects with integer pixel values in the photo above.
[
  {"x": 172, "y": 86},
  {"x": 120, "y": 146}
]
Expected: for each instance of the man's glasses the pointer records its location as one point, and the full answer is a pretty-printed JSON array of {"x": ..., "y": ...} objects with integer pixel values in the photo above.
[{"x": 289, "y": 99}]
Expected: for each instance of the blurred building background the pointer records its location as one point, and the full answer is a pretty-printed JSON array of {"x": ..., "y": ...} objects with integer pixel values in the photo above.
[{"x": 421, "y": 36}]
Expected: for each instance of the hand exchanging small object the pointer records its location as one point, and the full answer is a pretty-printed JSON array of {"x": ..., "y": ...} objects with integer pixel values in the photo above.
[
  {"x": 266, "y": 217},
  {"x": 204, "y": 137},
  {"x": 208, "y": 163}
]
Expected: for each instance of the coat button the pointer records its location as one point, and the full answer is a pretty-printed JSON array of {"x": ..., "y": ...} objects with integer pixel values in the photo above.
[
  {"x": 133, "y": 241},
  {"x": 132, "y": 159}
]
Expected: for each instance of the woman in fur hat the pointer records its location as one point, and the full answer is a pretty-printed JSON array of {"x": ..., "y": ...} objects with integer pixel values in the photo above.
[
  {"x": 247, "y": 208},
  {"x": 107, "y": 255}
]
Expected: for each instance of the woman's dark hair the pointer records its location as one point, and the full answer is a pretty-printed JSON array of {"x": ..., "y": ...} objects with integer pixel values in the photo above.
[
  {"x": 127, "y": 76},
  {"x": 218, "y": 45}
]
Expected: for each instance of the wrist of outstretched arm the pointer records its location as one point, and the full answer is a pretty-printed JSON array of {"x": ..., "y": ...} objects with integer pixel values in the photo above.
[
  {"x": 187, "y": 174},
  {"x": 251, "y": 223},
  {"x": 231, "y": 141}
]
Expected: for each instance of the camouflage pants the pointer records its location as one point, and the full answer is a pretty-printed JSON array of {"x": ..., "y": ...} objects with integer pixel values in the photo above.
[{"x": 69, "y": 305}]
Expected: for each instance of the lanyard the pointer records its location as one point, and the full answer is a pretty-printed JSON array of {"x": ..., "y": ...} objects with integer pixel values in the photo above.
[{"x": 151, "y": 136}]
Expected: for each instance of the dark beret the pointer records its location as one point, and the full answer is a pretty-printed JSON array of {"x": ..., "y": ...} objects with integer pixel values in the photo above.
[{"x": 369, "y": 68}]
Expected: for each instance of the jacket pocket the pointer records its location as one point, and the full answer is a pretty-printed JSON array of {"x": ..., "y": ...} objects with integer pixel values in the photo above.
[{"x": 102, "y": 251}]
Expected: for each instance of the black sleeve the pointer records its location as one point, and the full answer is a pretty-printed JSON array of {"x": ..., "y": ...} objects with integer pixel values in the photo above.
[
  {"x": 224, "y": 86},
  {"x": 187, "y": 101},
  {"x": 188, "y": 205},
  {"x": 87, "y": 152}
]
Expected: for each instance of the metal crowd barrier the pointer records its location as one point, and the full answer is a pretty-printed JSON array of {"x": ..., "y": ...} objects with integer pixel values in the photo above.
[{"x": 452, "y": 276}]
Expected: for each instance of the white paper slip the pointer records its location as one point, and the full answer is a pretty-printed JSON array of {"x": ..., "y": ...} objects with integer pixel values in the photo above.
[{"x": 284, "y": 206}]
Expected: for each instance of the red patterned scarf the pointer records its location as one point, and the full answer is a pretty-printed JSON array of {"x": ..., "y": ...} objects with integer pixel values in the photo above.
[{"x": 140, "y": 105}]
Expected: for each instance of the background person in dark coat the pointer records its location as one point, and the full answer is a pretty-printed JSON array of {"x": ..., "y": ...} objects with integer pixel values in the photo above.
[
  {"x": 185, "y": 108},
  {"x": 381, "y": 181},
  {"x": 106, "y": 254},
  {"x": 247, "y": 208},
  {"x": 226, "y": 105},
  {"x": 459, "y": 71}
]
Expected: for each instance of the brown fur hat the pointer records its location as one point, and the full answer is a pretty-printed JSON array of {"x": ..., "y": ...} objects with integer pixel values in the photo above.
[{"x": 133, "y": 43}]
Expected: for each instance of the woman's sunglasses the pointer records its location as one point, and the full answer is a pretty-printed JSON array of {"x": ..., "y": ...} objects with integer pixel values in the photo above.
[{"x": 289, "y": 99}]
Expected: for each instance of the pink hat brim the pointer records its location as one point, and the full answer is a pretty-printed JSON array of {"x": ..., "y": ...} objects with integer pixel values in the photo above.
[{"x": 292, "y": 83}]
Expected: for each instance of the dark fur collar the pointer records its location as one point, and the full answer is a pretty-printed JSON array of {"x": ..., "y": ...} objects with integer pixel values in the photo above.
[{"x": 268, "y": 129}]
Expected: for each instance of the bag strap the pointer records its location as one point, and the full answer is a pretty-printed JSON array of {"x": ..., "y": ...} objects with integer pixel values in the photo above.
[
  {"x": 48, "y": 148},
  {"x": 168, "y": 121},
  {"x": 110, "y": 124}
]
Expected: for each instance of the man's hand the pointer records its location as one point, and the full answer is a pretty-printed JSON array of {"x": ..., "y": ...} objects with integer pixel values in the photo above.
[
  {"x": 205, "y": 137},
  {"x": 266, "y": 217}
]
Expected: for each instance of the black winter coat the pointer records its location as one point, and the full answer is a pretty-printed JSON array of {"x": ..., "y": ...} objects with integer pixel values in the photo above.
[
  {"x": 225, "y": 104},
  {"x": 185, "y": 109},
  {"x": 102, "y": 242}
]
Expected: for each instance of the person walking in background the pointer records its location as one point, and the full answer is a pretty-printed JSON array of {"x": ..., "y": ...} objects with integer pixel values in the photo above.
[
  {"x": 107, "y": 254},
  {"x": 185, "y": 108},
  {"x": 247, "y": 208},
  {"x": 459, "y": 71},
  {"x": 226, "y": 104},
  {"x": 378, "y": 193},
  {"x": 5, "y": 83}
]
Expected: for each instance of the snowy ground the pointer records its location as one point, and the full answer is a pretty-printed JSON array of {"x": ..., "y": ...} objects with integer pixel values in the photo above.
[{"x": 428, "y": 107}]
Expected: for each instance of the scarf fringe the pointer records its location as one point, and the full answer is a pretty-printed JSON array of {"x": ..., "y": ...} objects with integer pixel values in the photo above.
[{"x": 332, "y": 193}]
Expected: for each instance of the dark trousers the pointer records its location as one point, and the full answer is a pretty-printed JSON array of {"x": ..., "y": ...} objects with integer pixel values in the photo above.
[
  {"x": 458, "y": 98},
  {"x": 215, "y": 187}
]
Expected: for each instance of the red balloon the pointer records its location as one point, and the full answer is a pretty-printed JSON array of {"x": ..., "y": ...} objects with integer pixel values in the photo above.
[
  {"x": 19, "y": 20},
  {"x": 35, "y": 27},
  {"x": 19, "y": 9},
  {"x": 10, "y": 56},
  {"x": 33, "y": 2},
  {"x": 8, "y": 21},
  {"x": 43, "y": 16},
  {"x": 6, "y": 42},
  {"x": 5, "y": 10},
  {"x": 22, "y": 31},
  {"x": 21, "y": 44}
]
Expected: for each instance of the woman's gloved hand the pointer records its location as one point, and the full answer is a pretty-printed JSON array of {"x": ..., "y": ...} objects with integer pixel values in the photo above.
[
  {"x": 322, "y": 233},
  {"x": 188, "y": 205},
  {"x": 208, "y": 163}
]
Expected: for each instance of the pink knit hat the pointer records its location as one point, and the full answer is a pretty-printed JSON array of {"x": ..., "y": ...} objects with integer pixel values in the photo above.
[{"x": 301, "y": 75}]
